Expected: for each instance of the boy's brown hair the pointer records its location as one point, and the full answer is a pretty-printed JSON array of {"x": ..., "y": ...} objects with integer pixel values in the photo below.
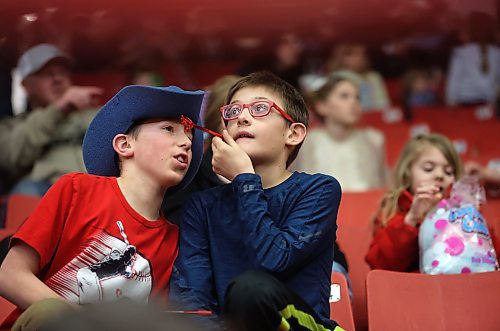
[{"x": 294, "y": 104}]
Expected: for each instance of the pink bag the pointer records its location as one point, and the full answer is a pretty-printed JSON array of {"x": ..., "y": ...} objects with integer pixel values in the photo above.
[{"x": 454, "y": 236}]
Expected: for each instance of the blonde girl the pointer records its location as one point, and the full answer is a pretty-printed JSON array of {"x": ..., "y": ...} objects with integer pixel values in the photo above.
[{"x": 427, "y": 167}]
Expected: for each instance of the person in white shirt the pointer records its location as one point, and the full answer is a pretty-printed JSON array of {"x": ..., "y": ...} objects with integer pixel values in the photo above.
[
  {"x": 474, "y": 69},
  {"x": 355, "y": 156}
]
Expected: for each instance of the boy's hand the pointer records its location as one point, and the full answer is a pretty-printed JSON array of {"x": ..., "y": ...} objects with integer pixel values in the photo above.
[
  {"x": 229, "y": 160},
  {"x": 425, "y": 197}
]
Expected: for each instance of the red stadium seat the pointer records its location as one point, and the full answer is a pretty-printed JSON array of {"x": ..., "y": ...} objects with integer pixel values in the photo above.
[
  {"x": 412, "y": 301},
  {"x": 6, "y": 307},
  {"x": 340, "y": 303},
  {"x": 491, "y": 213},
  {"x": 354, "y": 236},
  {"x": 394, "y": 89}
]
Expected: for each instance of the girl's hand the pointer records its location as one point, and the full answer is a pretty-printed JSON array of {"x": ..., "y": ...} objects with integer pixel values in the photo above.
[
  {"x": 229, "y": 160},
  {"x": 425, "y": 197}
]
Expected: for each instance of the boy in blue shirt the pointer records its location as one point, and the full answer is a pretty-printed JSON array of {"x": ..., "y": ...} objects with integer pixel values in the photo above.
[{"x": 268, "y": 219}]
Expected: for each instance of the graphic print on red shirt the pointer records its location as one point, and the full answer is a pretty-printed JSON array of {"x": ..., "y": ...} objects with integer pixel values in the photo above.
[{"x": 107, "y": 268}]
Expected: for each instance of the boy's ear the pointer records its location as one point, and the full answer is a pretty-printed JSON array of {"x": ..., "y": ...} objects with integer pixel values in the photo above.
[
  {"x": 121, "y": 145},
  {"x": 296, "y": 134}
]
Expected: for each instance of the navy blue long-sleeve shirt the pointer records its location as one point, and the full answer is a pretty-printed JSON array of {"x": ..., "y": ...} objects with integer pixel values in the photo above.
[{"x": 287, "y": 230}]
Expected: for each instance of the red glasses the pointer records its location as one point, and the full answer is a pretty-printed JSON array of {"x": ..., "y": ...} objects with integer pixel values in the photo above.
[
  {"x": 189, "y": 125},
  {"x": 259, "y": 108}
]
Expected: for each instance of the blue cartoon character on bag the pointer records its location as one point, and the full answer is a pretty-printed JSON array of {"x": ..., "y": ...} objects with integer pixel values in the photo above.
[{"x": 454, "y": 236}]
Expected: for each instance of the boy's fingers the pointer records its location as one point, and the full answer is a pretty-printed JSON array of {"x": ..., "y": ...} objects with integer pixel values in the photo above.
[
  {"x": 216, "y": 141},
  {"x": 227, "y": 138}
]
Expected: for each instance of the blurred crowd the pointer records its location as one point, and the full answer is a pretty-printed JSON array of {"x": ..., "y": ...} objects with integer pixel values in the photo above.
[{"x": 455, "y": 66}]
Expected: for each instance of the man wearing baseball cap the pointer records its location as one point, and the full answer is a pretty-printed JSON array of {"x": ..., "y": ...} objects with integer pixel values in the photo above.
[{"x": 41, "y": 145}]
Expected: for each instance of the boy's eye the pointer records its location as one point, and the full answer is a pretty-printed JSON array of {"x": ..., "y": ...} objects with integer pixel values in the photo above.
[
  {"x": 260, "y": 108},
  {"x": 235, "y": 111},
  {"x": 168, "y": 128}
]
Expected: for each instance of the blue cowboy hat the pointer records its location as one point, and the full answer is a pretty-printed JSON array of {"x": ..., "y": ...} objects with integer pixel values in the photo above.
[{"x": 135, "y": 103}]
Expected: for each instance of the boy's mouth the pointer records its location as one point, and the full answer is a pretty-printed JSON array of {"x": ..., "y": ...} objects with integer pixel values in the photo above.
[
  {"x": 243, "y": 134},
  {"x": 182, "y": 158}
]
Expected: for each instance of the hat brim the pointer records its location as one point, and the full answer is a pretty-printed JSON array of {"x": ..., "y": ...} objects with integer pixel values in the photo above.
[{"x": 134, "y": 103}]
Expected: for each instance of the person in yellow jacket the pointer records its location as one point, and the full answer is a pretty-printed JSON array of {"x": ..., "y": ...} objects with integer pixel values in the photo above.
[{"x": 41, "y": 145}]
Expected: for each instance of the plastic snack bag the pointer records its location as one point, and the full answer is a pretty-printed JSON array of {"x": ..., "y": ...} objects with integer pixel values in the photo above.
[{"x": 454, "y": 236}]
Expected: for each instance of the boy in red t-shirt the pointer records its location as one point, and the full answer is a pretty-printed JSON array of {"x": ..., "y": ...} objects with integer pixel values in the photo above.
[{"x": 100, "y": 236}]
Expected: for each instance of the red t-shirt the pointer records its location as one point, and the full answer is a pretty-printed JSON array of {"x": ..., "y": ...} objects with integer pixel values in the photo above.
[{"x": 94, "y": 247}]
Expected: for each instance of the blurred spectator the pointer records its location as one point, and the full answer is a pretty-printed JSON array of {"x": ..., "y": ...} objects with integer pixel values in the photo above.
[
  {"x": 474, "y": 68},
  {"x": 486, "y": 174},
  {"x": 144, "y": 75},
  {"x": 45, "y": 143},
  {"x": 286, "y": 61},
  {"x": 217, "y": 98},
  {"x": 205, "y": 177},
  {"x": 392, "y": 59},
  {"x": 355, "y": 156},
  {"x": 352, "y": 60},
  {"x": 420, "y": 89}
]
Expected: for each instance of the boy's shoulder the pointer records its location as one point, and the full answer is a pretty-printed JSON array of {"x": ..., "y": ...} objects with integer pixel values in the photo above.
[
  {"x": 82, "y": 180},
  {"x": 209, "y": 195},
  {"x": 298, "y": 181},
  {"x": 313, "y": 180}
]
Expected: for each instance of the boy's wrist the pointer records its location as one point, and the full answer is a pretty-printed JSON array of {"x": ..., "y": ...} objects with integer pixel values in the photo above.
[
  {"x": 244, "y": 176},
  {"x": 245, "y": 180}
]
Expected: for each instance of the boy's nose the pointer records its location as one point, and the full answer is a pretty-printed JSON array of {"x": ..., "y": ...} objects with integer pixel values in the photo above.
[
  {"x": 185, "y": 142},
  {"x": 245, "y": 116}
]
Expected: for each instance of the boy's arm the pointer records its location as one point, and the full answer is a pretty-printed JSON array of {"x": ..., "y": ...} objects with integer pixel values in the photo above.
[
  {"x": 34, "y": 245},
  {"x": 309, "y": 227},
  {"x": 18, "y": 281},
  {"x": 192, "y": 282}
]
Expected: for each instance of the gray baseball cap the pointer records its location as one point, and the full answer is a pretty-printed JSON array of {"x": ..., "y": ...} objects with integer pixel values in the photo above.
[{"x": 37, "y": 56}]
